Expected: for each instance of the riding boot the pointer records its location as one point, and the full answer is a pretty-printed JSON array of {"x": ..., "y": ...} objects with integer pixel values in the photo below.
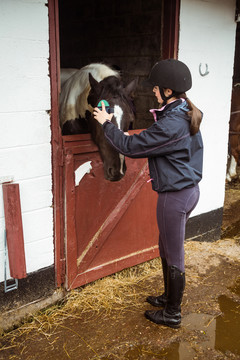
[
  {"x": 171, "y": 314},
  {"x": 160, "y": 301}
]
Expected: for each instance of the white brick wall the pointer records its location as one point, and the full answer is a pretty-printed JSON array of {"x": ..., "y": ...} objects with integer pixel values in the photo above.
[
  {"x": 207, "y": 36},
  {"x": 25, "y": 149}
]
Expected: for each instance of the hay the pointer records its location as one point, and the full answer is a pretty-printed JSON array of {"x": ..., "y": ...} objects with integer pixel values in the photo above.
[
  {"x": 126, "y": 290},
  {"x": 122, "y": 291}
]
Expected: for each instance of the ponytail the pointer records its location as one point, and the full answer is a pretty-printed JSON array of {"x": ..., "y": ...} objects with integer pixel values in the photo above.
[{"x": 194, "y": 114}]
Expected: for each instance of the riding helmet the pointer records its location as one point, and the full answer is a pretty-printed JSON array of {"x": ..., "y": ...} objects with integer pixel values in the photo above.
[{"x": 170, "y": 74}]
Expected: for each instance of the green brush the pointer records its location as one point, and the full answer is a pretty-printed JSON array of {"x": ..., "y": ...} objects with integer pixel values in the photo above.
[
  {"x": 99, "y": 105},
  {"x": 108, "y": 109}
]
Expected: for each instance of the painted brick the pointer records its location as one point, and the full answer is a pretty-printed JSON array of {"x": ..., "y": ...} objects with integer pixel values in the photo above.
[
  {"x": 26, "y": 162},
  {"x": 39, "y": 254},
  {"x": 25, "y": 134},
  {"x": 35, "y": 194},
  {"x": 24, "y": 128},
  {"x": 24, "y": 19},
  {"x": 211, "y": 93}
]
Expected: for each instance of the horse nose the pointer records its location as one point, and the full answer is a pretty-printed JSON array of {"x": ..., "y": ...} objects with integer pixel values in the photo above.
[
  {"x": 114, "y": 174},
  {"x": 115, "y": 169}
]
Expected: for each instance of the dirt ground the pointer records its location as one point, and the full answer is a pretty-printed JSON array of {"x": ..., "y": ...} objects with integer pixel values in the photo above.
[{"x": 211, "y": 312}]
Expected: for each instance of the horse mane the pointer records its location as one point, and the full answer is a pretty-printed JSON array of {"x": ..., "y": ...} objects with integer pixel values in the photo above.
[
  {"x": 74, "y": 93},
  {"x": 112, "y": 86}
]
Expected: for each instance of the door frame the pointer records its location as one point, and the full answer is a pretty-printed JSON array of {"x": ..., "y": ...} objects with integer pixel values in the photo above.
[
  {"x": 56, "y": 142},
  {"x": 170, "y": 35},
  {"x": 169, "y": 50}
]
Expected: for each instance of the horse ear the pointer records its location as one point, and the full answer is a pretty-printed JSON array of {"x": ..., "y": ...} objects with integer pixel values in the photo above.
[
  {"x": 93, "y": 83},
  {"x": 131, "y": 87}
]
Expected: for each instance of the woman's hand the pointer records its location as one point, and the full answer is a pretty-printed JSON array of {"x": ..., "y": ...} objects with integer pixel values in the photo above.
[{"x": 101, "y": 115}]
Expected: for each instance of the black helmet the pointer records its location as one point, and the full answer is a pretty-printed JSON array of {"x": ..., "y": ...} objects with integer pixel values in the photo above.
[{"x": 171, "y": 74}]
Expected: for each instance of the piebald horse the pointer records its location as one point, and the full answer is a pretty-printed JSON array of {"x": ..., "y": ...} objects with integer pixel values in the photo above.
[
  {"x": 234, "y": 134},
  {"x": 80, "y": 93}
]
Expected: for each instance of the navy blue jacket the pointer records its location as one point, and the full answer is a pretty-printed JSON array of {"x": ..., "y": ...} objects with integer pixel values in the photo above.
[{"x": 174, "y": 156}]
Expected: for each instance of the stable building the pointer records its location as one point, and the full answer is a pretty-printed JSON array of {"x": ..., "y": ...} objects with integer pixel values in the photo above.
[{"x": 53, "y": 234}]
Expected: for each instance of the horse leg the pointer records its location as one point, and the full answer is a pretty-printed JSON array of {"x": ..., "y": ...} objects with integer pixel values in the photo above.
[{"x": 232, "y": 170}]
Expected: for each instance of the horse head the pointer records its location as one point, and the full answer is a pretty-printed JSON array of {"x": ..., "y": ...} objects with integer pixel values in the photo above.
[{"x": 119, "y": 98}]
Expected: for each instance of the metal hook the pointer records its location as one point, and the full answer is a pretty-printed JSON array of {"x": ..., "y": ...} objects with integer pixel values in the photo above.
[
  {"x": 8, "y": 287},
  {"x": 206, "y": 70}
]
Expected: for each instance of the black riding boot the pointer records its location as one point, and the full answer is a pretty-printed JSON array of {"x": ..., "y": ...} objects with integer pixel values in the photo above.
[
  {"x": 160, "y": 301},
  {"x": 171, "y": 314}
]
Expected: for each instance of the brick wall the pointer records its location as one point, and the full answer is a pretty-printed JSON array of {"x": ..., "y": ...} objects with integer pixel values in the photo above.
[
  {"x": 123, "y": 33},
  {"x": 25, "y": 134}
]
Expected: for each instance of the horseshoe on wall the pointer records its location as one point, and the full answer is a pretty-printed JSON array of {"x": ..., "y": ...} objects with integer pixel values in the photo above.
[{"x": 206, "y": 70}]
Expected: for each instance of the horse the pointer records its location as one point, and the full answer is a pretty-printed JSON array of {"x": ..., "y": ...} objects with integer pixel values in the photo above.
[
  {"x": 234, "y": 134},
  {"x": 80, "y": 93},
  {"x": 65, "y": 74}
]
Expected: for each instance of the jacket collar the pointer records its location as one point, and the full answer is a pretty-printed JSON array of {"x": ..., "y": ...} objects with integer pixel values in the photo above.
[{"x": 157, "y": 113}]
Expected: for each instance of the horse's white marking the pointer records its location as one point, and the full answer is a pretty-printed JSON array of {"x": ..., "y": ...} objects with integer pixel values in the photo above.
[
  {"x": 122, "y": 157},
  {"x": 232, "y": 171},
  {"x": 81, "y": 171},
  {"x": 118, "y": 113}
]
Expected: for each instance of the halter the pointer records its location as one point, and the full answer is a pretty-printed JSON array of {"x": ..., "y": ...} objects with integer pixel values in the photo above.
[
  {"x": 235, "y": 112},
  {"x": 234, "y": 132}
]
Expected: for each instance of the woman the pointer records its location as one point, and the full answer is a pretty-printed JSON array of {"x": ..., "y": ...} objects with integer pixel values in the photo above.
[{"x": 173, "y": 146}]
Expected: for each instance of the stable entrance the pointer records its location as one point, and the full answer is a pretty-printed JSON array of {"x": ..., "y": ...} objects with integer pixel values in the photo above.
[{"x": 102, "y": 227}]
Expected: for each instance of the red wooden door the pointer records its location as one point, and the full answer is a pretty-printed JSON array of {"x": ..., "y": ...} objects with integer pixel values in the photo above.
[
  {"x": 108, "y": 225},
  {"x": 124, "y": 221}
]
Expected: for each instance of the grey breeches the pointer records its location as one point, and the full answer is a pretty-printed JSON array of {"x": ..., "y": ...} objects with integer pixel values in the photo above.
[{"x": 173, "y": 211}]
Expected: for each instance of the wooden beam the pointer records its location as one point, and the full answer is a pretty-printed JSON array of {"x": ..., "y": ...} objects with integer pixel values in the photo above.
[{"x": 14, "y": 230}]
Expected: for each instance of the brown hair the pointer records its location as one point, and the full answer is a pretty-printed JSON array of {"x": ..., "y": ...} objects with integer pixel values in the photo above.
[{"x": 194, "y": 114}]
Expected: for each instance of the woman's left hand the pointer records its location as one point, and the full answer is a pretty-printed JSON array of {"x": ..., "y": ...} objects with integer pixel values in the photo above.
[{"x": 101, "y": 115}]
